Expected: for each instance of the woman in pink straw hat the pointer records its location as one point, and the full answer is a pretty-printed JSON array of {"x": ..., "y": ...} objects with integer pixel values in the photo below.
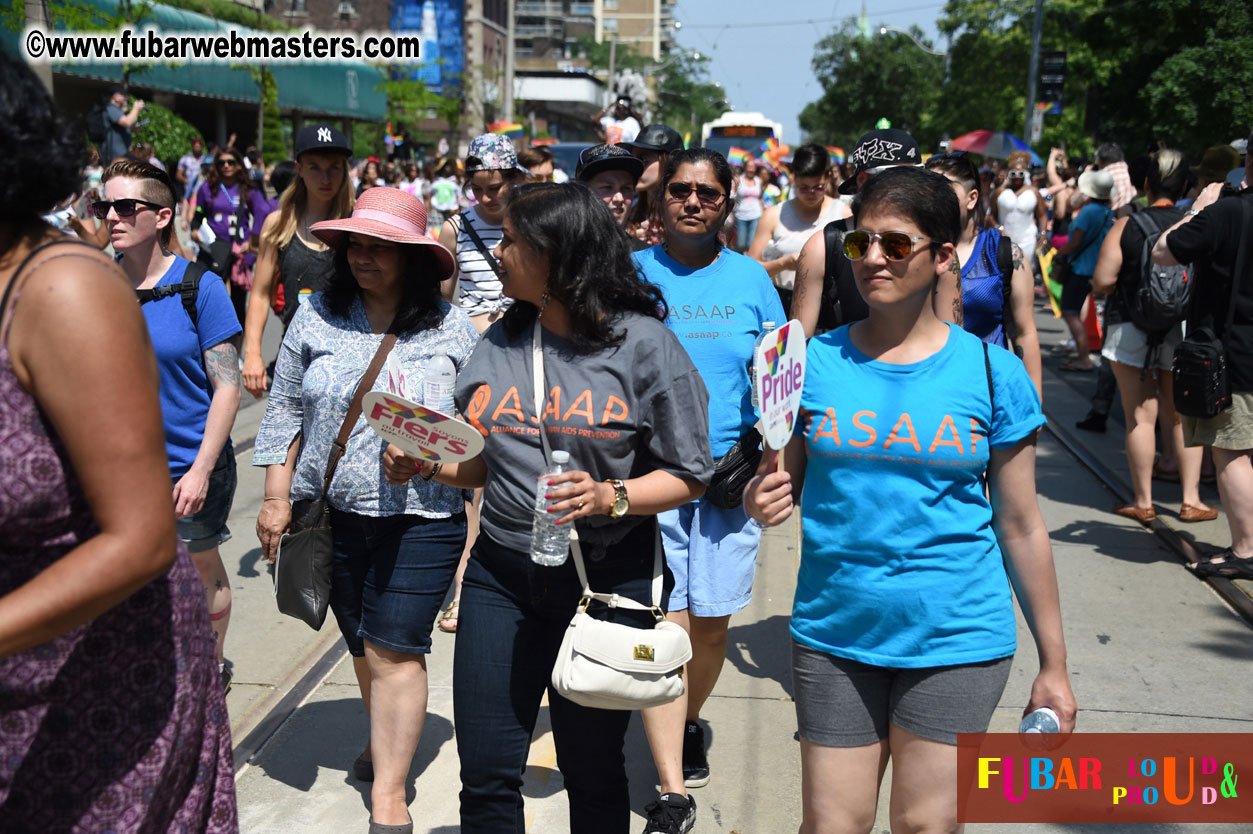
[{"x": 396, "y": 546}]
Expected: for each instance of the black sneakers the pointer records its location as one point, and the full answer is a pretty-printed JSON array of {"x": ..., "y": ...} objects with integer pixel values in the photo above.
[
  {"x": 1095, "y": 421},
  {"x": 695, "y": 763},
  {"x": 671, "y": 814}
]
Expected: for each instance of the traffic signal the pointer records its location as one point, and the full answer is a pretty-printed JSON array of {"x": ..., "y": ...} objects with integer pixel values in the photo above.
[{"x": 1053, "y": 78}]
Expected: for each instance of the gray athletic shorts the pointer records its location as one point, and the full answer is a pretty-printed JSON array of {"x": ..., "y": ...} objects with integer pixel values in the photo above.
[{"x": 843, "y": 703}]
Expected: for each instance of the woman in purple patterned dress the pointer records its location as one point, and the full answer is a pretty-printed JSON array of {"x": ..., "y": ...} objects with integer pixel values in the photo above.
[{"x": 112, "y": 716}]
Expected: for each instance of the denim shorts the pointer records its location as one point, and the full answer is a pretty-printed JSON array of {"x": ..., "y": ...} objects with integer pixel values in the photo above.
[
  {"x": 390, "y": 575},
  {"x": 207, "y": 529},
  {"x": 712, "y": 553},
  {"x": 844, "y": 703}
]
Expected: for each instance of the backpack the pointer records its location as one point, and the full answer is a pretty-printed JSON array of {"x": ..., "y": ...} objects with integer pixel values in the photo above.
[
  {"x": 1163, "y": 295},
  {"x": 838, "y": 284},
  {"x": 97, "y": 130},
  {"x": 189, "y": 288}
]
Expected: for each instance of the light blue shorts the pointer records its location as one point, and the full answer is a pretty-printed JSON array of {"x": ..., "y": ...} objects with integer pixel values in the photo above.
[{"x": 712, "y": 553}]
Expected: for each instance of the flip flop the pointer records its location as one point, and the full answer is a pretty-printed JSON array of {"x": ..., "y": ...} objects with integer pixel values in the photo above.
[{"x": 449, "y": 615}]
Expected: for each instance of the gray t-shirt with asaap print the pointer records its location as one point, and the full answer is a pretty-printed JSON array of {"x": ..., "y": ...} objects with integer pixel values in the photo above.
[{"x": 621, "y": 412}]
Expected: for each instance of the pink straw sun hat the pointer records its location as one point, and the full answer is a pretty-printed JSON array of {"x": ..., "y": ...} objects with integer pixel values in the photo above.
[{"x": 389, "y": 214}]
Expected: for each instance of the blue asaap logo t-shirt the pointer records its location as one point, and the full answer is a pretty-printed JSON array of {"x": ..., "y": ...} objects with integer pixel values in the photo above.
[
  {"x": 900, "y": 566},
  {"x": 717, "y": 313}
]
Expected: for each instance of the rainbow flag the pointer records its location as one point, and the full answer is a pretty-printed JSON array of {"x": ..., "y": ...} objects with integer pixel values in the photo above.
[
  {"x": 738, "y": 156},
  {"x": 837, "y": 155},
  {"x": 769, "y": 145},
  {"x": 511, "y": 129},
  {"x": 1054, "y": 287}
]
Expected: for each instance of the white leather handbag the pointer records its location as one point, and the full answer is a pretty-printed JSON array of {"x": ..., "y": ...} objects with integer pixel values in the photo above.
[{"x": 614, "y": 665}]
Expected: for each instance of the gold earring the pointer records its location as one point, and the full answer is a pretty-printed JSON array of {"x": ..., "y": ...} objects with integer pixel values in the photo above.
[{"x": 543, "y": 301}]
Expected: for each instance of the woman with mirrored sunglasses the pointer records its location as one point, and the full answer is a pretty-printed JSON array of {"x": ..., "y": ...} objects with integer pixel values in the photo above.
[
  {"x": 915, "y": 451},
  {"x": 719, "y": 301},
  {"x": 234, "y": 211}
]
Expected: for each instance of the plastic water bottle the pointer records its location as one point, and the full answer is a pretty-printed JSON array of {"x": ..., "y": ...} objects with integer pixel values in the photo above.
[
  {"x": 1043, "y": 720},
  {"x": 767, "y": 327},
  {"x": 439, "y": 383},
  {"x": 550, "y": 541}
]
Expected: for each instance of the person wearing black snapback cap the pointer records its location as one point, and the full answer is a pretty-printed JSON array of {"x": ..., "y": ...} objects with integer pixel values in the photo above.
[
  {"x": 288, "y": 250},
  {"x": 652, "y": 147},
  {"x": 611, "y": 173},
  {"x": 826, "y": 294}
]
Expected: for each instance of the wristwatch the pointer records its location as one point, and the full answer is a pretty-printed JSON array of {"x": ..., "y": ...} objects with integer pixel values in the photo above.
[{"x": 620, "y": 501}]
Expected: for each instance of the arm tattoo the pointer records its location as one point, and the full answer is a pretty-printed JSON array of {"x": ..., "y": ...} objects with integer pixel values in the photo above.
[
  {"x": 1017, "y": 257},
  {"x": 221, "y": 363}
]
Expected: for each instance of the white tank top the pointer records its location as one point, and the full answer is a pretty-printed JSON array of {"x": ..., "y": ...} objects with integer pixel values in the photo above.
[
  {"x": 791, "y": 234},
  {"x": 1017, "y": 216}
]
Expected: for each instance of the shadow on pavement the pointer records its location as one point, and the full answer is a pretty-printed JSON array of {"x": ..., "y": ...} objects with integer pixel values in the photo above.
[
  {"x": 763, "y": 650},
  {"x": 1232, "y": 644},
  {"x": 1113, "y": 540},
  {"x": 248, "y": 564},
  {"x": 329, "y": 735}
]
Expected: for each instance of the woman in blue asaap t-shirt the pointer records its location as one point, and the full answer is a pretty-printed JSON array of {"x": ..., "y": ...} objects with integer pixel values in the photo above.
[
  {"x": 719, "y": 303},
  {"x": 903, "y": 623}
]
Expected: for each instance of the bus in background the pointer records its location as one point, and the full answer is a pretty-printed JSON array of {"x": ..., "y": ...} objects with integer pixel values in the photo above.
[{"x": 739, "y": 130}]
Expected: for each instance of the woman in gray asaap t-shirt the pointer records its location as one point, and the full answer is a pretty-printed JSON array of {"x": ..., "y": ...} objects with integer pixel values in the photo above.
[{"x": 625, "y": 401}]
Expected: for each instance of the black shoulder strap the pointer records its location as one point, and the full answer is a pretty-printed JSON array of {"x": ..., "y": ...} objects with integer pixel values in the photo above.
[
  {"x": 1005, "y": 262},
  {"x": 480, "y": 245},
  {"x": 189, "y": 288},
  {"x": 987, "y": 367}
]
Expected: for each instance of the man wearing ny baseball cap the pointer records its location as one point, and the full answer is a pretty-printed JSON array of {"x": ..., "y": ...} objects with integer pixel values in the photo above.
[{"x": 826, "y": 294}]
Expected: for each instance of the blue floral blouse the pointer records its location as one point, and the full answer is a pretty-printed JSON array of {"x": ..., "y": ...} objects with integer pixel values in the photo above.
[{"x": 319, "y": 366}]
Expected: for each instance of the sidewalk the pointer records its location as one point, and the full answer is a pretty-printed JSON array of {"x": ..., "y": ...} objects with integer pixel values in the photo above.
[{"x": 1151, "y": 649}]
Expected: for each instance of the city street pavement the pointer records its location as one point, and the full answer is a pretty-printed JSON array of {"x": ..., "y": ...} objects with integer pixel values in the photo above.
[{"x": 1151, "y": 648}]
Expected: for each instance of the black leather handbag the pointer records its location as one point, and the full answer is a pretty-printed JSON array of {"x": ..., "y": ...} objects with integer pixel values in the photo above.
[
  {"x": 302, "y": 568},
  {"x": 1199, "y": 368},
  {"x": 734, "y": 470}
]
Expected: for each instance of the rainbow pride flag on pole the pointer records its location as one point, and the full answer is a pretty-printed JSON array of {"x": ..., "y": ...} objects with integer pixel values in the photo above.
[
  {"x": 511, "y": 129},
  {"x": 837, "y": 154},
  {"x": 738, "y": 156}
]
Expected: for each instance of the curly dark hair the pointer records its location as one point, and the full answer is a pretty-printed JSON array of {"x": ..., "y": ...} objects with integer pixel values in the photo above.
[
  {"x": 44, "y": 155},
  {"x": 590, "y": 266},
  {"x": 421, "y": 306}
]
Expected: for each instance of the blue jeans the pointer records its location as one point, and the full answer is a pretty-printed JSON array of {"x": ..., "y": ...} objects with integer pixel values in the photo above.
[
  {"x": 745, "y": 230},
  {"x": 514, "y": 614},
  {"x": 390, "y": 575}
]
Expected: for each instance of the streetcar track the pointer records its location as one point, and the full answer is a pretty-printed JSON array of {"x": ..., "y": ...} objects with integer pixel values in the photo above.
[
  {"x": 1228, "y": 591},
  {"x": 326, "y": 654}
]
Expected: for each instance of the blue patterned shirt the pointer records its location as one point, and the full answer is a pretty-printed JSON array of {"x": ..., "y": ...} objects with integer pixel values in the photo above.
[{"x": 319, "y": 366}]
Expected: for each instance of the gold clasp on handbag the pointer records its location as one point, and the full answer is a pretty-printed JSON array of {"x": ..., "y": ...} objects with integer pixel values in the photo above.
[
  {"x": 643, "y": 652},
  {"x": 658, "y": 614},
  {"x": 584, "y": 603}
]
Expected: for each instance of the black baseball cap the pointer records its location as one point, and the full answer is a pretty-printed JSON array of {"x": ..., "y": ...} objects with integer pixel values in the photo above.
[
  {"x": 661, "y": 138},
  {"x": 321, "y": 138},
  {"x": 600, "y": 158},
  {"x": 878, "y": 148}
]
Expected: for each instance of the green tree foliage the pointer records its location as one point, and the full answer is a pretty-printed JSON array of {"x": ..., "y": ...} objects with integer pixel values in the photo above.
[
  {"x": 169, "y": 135},
  {"x": 273, "y": 148},
  {"x": 866, "y": 79},
  {"x": 686, "y": 98},
  {"x": 1138, "y": 71}
]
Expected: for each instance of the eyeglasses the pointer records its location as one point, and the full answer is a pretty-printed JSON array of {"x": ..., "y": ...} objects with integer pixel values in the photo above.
[
  {"x": 222, "y": 163},
  {"x": 709, "y": 196},
  {"x": 896, "y": 246},
  {"x": 124, "y": 208},
  {"x": 811, "y": 189}
]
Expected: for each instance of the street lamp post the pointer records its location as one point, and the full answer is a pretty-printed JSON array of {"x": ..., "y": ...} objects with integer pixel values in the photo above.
[{"x": 884, "y": 29}]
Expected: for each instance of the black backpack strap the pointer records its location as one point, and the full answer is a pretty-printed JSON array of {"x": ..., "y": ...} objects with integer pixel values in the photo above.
[
  {"x": 488, "y": 257},
  {"x": 188, "y": 288},
  {"x": 1005, "y": 263}
]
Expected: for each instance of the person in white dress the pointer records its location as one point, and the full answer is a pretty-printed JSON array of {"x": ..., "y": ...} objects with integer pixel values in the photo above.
[{"x": 1017, "y": 207}]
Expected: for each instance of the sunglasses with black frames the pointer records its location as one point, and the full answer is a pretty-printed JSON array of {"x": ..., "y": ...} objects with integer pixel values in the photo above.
[
  {"x": 709, "y": 196},
  {"x": 126, "y": 207}
]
